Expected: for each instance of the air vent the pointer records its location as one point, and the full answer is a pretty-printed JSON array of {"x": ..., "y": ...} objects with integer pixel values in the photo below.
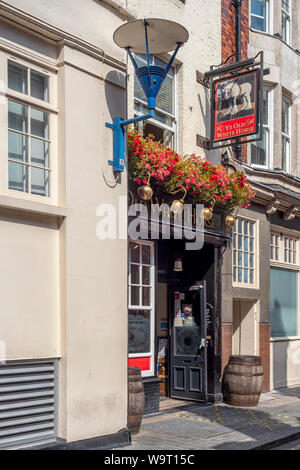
[{"x": 27, "y": 403}]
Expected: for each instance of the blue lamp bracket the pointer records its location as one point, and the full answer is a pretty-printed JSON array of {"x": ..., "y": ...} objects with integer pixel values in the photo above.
[{"x": 151, "y": 78}]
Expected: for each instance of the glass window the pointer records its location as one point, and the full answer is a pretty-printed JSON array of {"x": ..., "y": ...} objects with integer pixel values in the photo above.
[
  {"x": 285, "y": 20},
  {"x": 17, "y": 77},
  {"x": 141, "y": 301},
  {"x": 260, "y": 14},
  {"x": 28, "y": 132},
  {"x": 28, "y": 149},
  {"x": 244, "y": 252},
  {"x": 260, "y": 150},
  {"x": 163, "y": 125},
  {"x": 285, "y": 135},
  {"x": 39, "y": 85},
  {"x": 283, "y": 302}
]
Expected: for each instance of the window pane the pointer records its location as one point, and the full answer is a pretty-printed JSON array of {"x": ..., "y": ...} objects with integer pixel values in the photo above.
[
  {"x": 135, "y": 274},
  {"x": 17, "y": 146},
  {"x": 266, "y": 107},
  {"x": 135, "y": 296},
  {"x": 138, "y": 331},
  {"x": 258, "y": 7},
  {"x": 146, "y": 254},
  {"x": 134, "y": 252},
  {"x": 39, "y": 152},
  {"x": 285, "y": 153},
  {"x": 258, "y": 23},
  {"x": 259, "y": 150},
  {"x": 146, "y": 275},
  {"x": 17, "y": 77},
  {"x": 18, "y": 176},
  {"x": 17, "y": 116},
  {"x": 40, "y": 181},
  {"x": 39, "y": 123},
  {"x": 283, "y": 302},
  {"x": 39, "y": 86},
  {"x": 285, "y": 117},
  {"x": 146, "y": 297}
]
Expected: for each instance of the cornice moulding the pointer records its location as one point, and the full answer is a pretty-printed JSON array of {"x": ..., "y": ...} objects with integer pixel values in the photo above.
[{"x": 55, "y": 35}]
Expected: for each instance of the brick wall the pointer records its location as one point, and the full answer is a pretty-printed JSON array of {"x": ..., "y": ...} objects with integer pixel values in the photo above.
[
  {"x": 264, "y": 351},
  {"x": 228, "y": 37}
]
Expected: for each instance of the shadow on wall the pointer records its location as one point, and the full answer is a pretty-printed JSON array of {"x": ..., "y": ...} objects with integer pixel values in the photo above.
[{"x": 115, "y": 94}]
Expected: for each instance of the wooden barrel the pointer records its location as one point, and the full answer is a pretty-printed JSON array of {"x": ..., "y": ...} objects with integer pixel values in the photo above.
[
  {"x": 136, "y": 399},
  {"x": 243, "y": 380}
]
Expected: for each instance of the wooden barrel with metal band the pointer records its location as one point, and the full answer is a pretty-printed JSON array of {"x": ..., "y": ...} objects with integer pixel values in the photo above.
[
  {"x": 136, "y": 399},
  {"x": 243, "y": 380}
]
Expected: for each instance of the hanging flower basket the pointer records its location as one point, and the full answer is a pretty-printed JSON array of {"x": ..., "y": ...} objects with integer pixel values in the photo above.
[{"x": 202, "y": 182}]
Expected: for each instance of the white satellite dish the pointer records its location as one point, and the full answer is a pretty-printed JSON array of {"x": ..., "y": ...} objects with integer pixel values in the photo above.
[{"x": 163, "y": 35}]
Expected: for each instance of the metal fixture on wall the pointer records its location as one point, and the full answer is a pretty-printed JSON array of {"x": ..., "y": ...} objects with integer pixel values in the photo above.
[
  {"x": 148, "y": 36},
  {"x": 238, "y": 49}
]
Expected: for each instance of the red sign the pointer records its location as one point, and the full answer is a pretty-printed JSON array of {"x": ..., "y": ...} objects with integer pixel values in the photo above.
[{"x": 236, "y": 106}]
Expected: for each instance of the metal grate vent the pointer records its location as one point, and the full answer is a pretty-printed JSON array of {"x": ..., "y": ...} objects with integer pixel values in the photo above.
[{"x": 27, "y": 403}]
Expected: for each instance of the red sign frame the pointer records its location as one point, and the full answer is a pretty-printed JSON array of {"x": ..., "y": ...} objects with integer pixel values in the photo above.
[{"x": 241, "y": 94}]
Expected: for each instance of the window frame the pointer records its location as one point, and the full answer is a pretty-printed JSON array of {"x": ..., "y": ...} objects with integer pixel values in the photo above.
[
  {"x": 287, "y": 15},
  {"x": 255, "y": 237},
  {"x": 151, "y": 308},
  {"x": 286, "y": 137},
  {"x": 49, "y": 107},
  {"x": 269, "y": 18},
  {"x": 154, "y": 121},
  {"x": 270, "y": 130},
  {"x": 282, "y": 264}
]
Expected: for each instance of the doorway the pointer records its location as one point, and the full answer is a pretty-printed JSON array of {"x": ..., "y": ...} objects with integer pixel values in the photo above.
[{"x": 188, "y": 359}]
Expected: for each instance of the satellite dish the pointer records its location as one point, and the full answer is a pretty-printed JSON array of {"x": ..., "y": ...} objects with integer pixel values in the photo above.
[{"x": 163, "y": 36}]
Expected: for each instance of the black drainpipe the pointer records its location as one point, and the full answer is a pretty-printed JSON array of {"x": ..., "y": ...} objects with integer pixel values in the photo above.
[{"x": 238, "y": 48}]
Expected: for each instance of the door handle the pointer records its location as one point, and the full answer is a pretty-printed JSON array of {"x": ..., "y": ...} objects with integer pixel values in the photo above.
[{"x": 202, "y": 345}]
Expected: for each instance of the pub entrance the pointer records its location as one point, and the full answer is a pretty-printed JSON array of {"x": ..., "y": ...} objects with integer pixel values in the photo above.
[{"x": 187, "y": 322}]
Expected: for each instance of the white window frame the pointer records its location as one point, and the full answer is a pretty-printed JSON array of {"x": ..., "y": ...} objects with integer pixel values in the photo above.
[
  {"x": 269, "y": 129},
  {"x": 269, "y": 17},
  {"x": 255, "y": 237},
  {"x": 27, "y": 100},
  {"x": 173, "y": 117},
  {"x": 151, "y": 308},
  {"x": 287, "y": 15},
  {"x": 287, "y": 137},
  {"x": 282, "y": 235}
]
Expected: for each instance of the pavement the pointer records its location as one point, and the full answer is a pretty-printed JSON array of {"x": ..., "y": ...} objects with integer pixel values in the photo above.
[{"x": 273, "y": 424}]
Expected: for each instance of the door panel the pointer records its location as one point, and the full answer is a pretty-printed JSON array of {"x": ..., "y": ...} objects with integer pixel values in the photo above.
[{"x": 188, "y": 343}]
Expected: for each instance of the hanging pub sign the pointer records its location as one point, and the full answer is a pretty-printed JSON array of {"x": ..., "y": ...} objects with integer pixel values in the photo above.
[
  {"x": 236, "y": 103},
  {"x": 236, "y": 106}
]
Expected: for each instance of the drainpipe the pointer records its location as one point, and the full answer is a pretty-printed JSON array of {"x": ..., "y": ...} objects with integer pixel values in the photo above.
[{"x": 238, "y": 48}]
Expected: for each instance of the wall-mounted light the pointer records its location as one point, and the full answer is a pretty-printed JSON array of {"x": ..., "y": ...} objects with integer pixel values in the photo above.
[
  {"x": 178, "y": 265},
  {"x": 148, "y": 36}
]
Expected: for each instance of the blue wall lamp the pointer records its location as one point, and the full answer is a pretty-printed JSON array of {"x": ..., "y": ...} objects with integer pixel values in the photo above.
[{"x": 148, "y": 36}]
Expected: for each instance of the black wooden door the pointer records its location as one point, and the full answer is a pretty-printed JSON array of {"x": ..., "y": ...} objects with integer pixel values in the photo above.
[{"x": 188, "y": 359}]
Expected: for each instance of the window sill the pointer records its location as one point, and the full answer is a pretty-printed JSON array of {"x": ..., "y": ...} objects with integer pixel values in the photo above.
[{"x": 33, "y": 207}]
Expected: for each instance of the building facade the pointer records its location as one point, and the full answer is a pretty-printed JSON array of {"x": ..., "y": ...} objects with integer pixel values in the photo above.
[
  {"x": 265, "y": 313},
  {"x": 62, "y": 78},
  {"x": 66, "y": 336}
]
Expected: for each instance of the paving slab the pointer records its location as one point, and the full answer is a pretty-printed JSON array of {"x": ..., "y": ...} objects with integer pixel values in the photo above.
[{"x": 274, "y": 422}]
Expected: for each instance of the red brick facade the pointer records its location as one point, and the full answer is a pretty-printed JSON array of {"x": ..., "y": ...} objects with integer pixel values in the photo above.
[
  {"x": 228, "y": 28},
  {"x": 264, "y": 351},
  {"x": 228, "y": 37}
]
